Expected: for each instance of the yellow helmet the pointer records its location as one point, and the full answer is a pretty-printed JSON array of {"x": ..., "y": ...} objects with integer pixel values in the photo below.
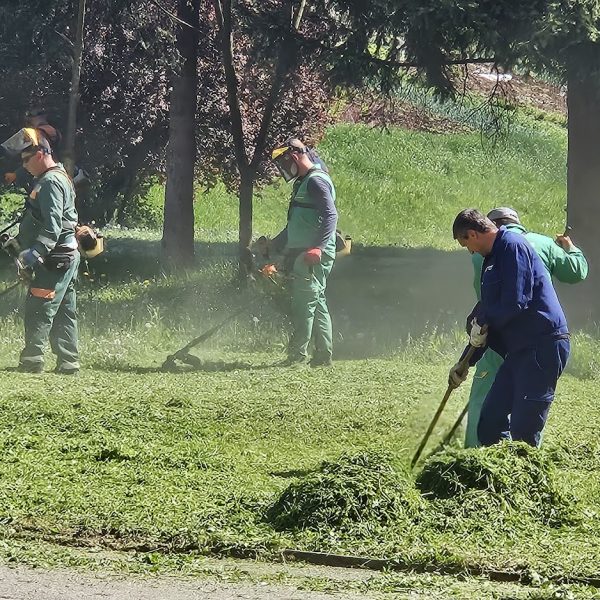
[{"x": 25, "y": 138}]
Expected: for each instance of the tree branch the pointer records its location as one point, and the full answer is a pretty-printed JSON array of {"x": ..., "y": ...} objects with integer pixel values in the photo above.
[
  {"x": 223, "y": 14},
  {"x": 299, "y": 15},
  {"x": 386, "y": 62},
  {"x": 174, "y": 17},
  {"x": 415, "y": 65},
  {"x": 281, "y": 69}
]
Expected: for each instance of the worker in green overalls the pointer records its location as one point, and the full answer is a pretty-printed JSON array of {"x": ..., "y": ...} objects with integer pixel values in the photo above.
[
  {"x": 308, "y": 244},
  {"x": 49, "y": 255},
  {"x": 563, "y": 260}
]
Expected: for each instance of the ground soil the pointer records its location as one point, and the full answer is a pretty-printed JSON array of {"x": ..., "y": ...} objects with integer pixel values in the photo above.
[
  {"x": 521, "y": 89},
  {"x": 376, "y": 112},
  {"x": 23, "y": 583}
]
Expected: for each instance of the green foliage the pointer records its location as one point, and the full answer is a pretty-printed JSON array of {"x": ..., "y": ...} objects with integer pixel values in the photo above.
[
  {"x": 9, "y": 204},
  {"x": 545, "y": 35},
  {"x": 412, "y": 184},
  {"x": 356, "y": 489},
  {"x": 508, "y": 477}
]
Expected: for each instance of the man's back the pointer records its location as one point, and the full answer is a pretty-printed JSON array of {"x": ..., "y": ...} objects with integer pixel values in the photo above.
[
  {"x": 566, "y": 266},
  {"x": 518, "y": 300}
]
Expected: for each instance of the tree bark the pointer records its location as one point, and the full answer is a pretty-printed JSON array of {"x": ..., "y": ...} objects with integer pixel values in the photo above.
[
  {"x": 69, "y": 152},
  {"x": 178, "y": 229},
  {"x": 583, "y": 184},
  {"x": 247, "y": 172},
  {"x": 247, "y": 176}
]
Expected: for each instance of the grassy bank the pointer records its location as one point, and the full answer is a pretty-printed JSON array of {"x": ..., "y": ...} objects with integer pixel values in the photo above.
[{"x": 403, "y": 188}]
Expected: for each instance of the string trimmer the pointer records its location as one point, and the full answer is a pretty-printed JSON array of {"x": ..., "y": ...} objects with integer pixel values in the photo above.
[{"x": 183, "y": 355}]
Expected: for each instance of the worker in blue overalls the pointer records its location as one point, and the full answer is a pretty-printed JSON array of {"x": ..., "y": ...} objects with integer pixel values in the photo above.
[{"x": 519, "y": 317}]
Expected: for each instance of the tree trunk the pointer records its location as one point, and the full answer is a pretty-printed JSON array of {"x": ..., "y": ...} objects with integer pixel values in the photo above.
[
  {"x": 583, "y": 184},
  {"x": 246, "y": 167},
  {"x": 69, "y": 152},
  {"x": 178, "y": 229},
  {"x": 245, "y": 225}
]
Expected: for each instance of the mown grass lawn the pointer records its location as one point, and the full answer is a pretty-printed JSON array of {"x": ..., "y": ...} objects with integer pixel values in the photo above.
[
  {"x": 192, "y": 460},
  {"x": 127, "y": 455},
  {"x": 131, "y": 456}
]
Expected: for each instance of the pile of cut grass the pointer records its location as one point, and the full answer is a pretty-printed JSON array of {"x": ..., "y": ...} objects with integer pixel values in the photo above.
[
  {"x": 504, "y": 479},
  {"x": 363, "y": 488}
]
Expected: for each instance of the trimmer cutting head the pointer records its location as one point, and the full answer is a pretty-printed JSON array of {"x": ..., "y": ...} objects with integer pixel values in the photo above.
[{"x": 170, "y": 363}]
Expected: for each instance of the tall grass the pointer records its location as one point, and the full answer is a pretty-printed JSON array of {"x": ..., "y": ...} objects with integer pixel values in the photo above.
[{"x": 403, "y": 188}]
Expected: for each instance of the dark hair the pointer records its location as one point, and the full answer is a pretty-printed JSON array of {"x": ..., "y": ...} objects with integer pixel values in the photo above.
[{"x": 470, "y": 219}]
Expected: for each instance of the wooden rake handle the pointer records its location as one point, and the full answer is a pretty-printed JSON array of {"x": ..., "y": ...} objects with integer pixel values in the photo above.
[{"x": 465, "y": 363}]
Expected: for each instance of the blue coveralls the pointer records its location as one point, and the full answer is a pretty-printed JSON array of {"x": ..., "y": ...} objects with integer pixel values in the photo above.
[{"x": 527, "y": 326}]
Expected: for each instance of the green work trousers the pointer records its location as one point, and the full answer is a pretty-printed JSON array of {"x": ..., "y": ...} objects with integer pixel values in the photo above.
[
  {"x": 309, "y": 312},
  {"x": 485, "y": 373},
  {"x": 51, "y": 314}
]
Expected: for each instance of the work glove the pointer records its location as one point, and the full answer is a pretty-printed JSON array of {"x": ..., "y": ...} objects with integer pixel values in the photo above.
[
  {"x": 478, "y": 335},
  {"x": 269, "y": 270},
  {"x": 458, "y": 374},
  {"x": 472, "y": 315},
  {"x": 10, "y": 178},
  {"x": 29, "y": 258},
  {"x": 312, "y": 256}
]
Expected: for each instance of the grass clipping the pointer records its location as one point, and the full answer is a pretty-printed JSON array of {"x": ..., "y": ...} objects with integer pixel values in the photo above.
[
  {"x": 361, "y": 489},
  {"x": 507, "y": 478}
]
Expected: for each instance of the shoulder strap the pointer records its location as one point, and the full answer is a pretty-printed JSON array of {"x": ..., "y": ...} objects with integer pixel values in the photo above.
[
  {"x": 61, "y": 171},
  {"x": 314, "y": 172}
]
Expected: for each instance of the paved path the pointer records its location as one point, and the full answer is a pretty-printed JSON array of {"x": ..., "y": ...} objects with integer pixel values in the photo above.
[{"x": 23, "y": 583}]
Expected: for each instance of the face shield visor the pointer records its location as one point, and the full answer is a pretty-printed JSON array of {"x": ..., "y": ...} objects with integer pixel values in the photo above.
[
  {"x": 22, "y": 140},
  {"x": 282, "y": 157}
]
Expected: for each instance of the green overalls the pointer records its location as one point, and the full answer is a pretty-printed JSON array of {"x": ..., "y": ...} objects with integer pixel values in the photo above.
[
  {"x": 48, "y": 227},
  {"x": 309, "y": 311},
  {"x": 567, "y": 267}
]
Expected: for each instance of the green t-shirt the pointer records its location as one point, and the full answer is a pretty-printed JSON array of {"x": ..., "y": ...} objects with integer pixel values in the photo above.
[{"x": 567, "y": 267}]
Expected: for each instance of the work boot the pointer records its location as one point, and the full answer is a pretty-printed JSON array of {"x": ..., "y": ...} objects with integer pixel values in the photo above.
[
  {"x": 321, "y": 360},
  {"x": 64, "y": 371},
  {"x": 294, "y": 361},
  {"x": 30, "y": 367}
]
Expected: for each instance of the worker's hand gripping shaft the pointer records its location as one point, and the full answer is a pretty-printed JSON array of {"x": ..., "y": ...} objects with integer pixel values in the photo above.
[
  {"x": 458, "y": 374},
  {"x": 478, "y": 334}
]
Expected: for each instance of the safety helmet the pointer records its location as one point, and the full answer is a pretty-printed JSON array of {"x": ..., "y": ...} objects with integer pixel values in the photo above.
[
  {"x": 90, "y": 241},
  {"x": 27, "y": 138},
  {"x": 282, "y": 157}
]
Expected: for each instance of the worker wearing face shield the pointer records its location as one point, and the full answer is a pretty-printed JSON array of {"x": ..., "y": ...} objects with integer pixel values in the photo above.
[
  {"x": 49, "y": 253},
  {"x": 308, "y": 243}
]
